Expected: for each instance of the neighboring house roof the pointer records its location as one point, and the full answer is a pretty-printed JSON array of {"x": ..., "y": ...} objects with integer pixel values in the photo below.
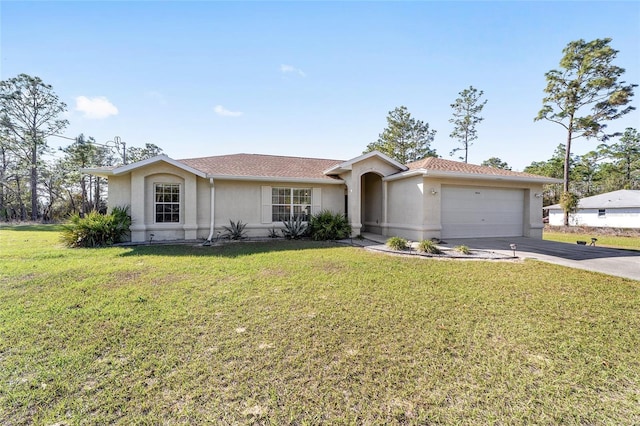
[
  {"x": 256, "y": 165},
  {"x": 624, "y": 198}
]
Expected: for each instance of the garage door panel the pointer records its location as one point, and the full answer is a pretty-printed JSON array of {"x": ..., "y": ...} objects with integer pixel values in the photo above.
[{"x": 481, "y": 212}]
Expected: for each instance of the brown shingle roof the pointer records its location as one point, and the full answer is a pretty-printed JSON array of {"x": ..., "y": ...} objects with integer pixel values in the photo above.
[
  {"x": 442, "y": 165},
  {"x": 256, "y": 165}
]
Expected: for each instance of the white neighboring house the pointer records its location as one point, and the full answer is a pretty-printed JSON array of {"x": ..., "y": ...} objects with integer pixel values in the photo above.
[{"x": 617, "y": 209}]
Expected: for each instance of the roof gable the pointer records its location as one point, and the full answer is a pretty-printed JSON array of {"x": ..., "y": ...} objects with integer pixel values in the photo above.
[
  {"x": 348, "y": 165},
  {"x": 157, "y": 159}
]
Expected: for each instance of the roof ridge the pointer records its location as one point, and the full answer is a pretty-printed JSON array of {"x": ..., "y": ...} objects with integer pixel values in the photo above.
[{"x": 262, "y": 155}]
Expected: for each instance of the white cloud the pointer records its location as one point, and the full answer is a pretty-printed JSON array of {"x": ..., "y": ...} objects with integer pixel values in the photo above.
[
  {"x": 288, "y": 68},
  {"x": 220, "y": 110},
  {"x": 98, "y": 107}
]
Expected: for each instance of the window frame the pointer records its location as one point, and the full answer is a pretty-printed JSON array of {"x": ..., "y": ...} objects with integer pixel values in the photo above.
[
  {"x": 291, "y": 201},
  {"x": 175, "y": 211},
  {"x": 602, "y": 212}
]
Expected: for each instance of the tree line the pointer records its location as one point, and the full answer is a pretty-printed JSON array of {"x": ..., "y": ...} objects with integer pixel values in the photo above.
[
  {"x": 582, "y": 96},
  {"x": 34, "y": 184},
  {"x": 612, "y": 166}
]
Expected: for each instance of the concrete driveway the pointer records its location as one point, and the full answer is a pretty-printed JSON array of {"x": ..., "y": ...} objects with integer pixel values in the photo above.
[{"x": 621, "y": 263}]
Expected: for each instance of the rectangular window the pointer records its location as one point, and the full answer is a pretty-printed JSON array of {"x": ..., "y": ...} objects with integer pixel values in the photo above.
[
  {"x": 167, "y": 202},
  {"x": 602, "y": 213},
  {"x": 290, "y": 203}
]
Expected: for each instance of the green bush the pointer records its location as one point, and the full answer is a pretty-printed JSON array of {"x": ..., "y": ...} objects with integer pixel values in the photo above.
[
  {"x": 428, "y": 246},
  {"x": 294, "y": 229},
  {"x": 397, "y": 243},
  {"x": 273, "y": 232},
  {"x": 327, "y": 225},
  {"x": 462, "y": 249},
  {"x": 97, "y": 230},
  {"x": 235, "y": 230}
]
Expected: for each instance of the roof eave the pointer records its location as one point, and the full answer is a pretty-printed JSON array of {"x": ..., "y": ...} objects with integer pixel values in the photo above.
[
  {"x": 473, "y": 176},
  {"x": 404, "y": 175},
  {"x": 97, "y": 171},
  {"x": 470, "y": 176}
]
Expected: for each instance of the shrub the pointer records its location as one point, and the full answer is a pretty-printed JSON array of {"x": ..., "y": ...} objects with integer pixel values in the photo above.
[
  {"x": 294, "y": 229},
  {"x": 97, "y": 230},
  {"x": 327, "y": 225},
  {"x": 428, "y": 246},
  {"x": 273, "y": 232},
  {"x": 462, "y": 249},
  {"x": 235, "y": 230},
  {"x": 397, "y": 243}
]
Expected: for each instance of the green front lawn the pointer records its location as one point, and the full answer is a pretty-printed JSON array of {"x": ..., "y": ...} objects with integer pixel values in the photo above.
[
  {"x": 614, "y": 241},
  {"x": 308, "y": 333}
]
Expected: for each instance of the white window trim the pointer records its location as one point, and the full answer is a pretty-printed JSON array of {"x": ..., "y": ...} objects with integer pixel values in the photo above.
[
  {"x": 267, "y": 210},
  {"x": 156, "y": 203},
  {"x": 291, "y": 204}
]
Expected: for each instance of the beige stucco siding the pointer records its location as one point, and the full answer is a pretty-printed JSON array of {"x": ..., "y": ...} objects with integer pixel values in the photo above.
[
  {"x": 119, "y": 191},
  {"x": 237, "y": 200},
  {"x": 405, "y": 209},
  {"x": 244, "y": 201}
]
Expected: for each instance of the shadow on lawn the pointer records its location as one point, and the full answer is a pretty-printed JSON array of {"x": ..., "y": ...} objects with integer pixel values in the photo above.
[{"x": 228, "y": 249}]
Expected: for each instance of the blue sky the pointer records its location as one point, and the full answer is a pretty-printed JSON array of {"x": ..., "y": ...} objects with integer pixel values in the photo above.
[{"x": 312, "y": 79}]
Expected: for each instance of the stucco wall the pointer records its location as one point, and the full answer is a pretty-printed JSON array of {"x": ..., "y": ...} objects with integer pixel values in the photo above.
[
  {"x": 405, "y": 208},
  {"x": 119, "y": 191},
  {"x": 240, "y": 200}
]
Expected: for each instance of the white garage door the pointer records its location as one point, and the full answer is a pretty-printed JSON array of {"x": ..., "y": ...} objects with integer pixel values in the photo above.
[{"x": 481, "y": 212}]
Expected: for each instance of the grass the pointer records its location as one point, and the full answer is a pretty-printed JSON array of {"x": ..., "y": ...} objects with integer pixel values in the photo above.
[
  {"x": 300, "y": 332},
  {"x": 624, "y": 242}
]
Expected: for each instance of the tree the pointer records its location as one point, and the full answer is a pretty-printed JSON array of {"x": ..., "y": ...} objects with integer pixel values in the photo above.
[
  {"x": 496, "y": 163},
  {"x": 550, "y": 168},
  {"x": 29, "y": 111},
  {"x": 138, "y": 154},
  {"x": 584, "y": 94},
  {"x": 466, "y": 115},
  {"x": 405, "y": 139},
  {"x": 84, "y": 152},
  {"x": 626, "y": 157},
  {"x": 586, "y": 172}
]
